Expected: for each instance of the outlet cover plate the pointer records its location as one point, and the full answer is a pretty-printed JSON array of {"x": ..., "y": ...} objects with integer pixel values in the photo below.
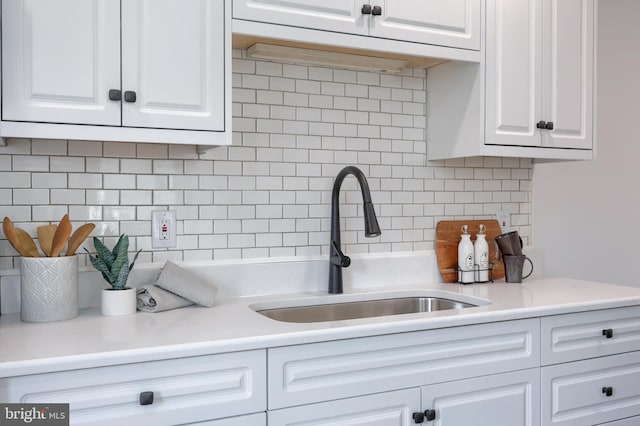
[{"x": 163, "y": 229}]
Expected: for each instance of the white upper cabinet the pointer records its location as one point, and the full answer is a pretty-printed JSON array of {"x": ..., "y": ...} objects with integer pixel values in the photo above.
[
  {"x": 453, "y": 23},
  {"x": 60, "y": 58},
  {"x": 440, "y": 23},
  {"x": 136, "y": 70},
  {"x": 329, "y": 15},
  {"x": 539, "y": 73},
  {"x": 173, "y": 60},
  {"x": 533, "y": 95}
]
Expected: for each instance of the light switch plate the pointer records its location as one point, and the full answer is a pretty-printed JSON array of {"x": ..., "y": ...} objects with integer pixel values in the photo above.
[{"x": 163, "y": 229}]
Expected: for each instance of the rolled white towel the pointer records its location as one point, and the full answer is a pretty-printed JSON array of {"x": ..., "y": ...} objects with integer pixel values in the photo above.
[
  {"x": 151, "y": 298},
  {"x": 186, "y": 284}
]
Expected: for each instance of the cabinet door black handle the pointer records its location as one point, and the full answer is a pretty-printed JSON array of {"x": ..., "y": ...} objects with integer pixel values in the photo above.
[
  {"x": 146, "y": 398},
  {"x": 129, "y": 96},
  {"x": 541, "y": 124},
  {"x": 418, "y": 417},
  {"x": 607, "y": 390},
  {"x": 377, "y": 11},
  {"x": 115, "y": 95},
  {"x": 608, "y": 333},
  {"x": 430, "y": 415},
  {"x": 366, "y": 9},
  {"x": 549, "y": 125}
]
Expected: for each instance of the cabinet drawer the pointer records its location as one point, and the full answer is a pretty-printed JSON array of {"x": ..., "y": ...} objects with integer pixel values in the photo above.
[
  {"x": 584, "y": 335},
  {"x": 184, "y": 390},
  {"x": 331, "y": 370},
  {"x": 632, "y": 421},
  {"x": 576, "y": 393},
  {"x": 259, "y": 419}
]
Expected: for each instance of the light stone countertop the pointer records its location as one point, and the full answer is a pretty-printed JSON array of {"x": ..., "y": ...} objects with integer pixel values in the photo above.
[{"x": 92, "y": 340}]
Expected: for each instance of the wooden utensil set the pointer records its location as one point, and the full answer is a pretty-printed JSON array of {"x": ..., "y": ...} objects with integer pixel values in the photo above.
[{"x": 52, "y": 238}]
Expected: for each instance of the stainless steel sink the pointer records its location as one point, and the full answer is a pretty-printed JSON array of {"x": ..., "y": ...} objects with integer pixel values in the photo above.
[{"x": 361, "y": 309}]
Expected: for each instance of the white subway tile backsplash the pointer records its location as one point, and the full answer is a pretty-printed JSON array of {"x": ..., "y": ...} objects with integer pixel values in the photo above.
[{"x": 269, "y": 193}]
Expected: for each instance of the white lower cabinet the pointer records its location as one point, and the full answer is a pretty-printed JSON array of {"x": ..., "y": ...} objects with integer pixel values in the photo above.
[
  {"x": 168, "y": 392},
  {"x": 508, "y": 399},
  {"x": 591, "y": 368},
  {"x": 383, "y": 409}
]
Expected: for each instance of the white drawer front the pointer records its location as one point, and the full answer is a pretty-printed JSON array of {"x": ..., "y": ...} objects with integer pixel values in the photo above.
[
  {"x": 184, "y": 390},
  {"x": 580, "y": 336},
  {"x": 575, "y": 392},
  {"x": 330, "y": 370},
  {"x": 259, "y": 419}
]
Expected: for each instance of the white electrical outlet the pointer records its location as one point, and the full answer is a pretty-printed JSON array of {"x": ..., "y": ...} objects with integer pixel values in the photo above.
[
  {"x": 504, "y": 219},
  {"x": 163, "y": 228}
]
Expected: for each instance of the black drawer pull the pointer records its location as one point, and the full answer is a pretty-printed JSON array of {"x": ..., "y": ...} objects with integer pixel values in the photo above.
[
  {"x": 146, "y": 398},
  {"x": 418, "y": 417},
  {"x": 377, "y": 11},
  {"x": 129, "y": 96},
  {"x": 549, "y": 125},
  {"x": 115, "y": 95},
  {"x": 608, "y": 333},
  {"x": 366, "y": 9},
  {"x": 541, "y": 124},
  {"x": 430, "y": 415},
  {"x": 607, "y": 390}
]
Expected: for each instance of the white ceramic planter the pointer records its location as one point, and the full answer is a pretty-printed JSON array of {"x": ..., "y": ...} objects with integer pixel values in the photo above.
[
  {"x": 118, "y": 302},
  {"x": 48, "y": 288}
]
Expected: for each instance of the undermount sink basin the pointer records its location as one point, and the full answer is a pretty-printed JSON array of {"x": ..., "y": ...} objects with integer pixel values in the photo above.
[{"x": 327, "y": 309}]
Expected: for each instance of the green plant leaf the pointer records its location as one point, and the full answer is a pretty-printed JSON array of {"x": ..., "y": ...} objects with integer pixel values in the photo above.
[
  {"x": 122, "y": 244},
  {"x": 102, "y": 267},
  {"x": 103, "y": 252},
  {"x": 121, "y": 281},
  {"x": 122, "y": 256}
]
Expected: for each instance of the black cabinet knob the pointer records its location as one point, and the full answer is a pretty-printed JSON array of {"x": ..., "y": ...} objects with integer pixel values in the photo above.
[
  {"x": 115, "y": 95},
  {"x": 129, "y": 96},
  {"x": 608, "y": 333},
  {"x": 146, "y": 398},
  {"x": 541, "y": 124},
  {"x": 430, "y": 415},
  {"x": 549, "y": 125},
  {"x": 607, "y": 390},
  {"x": 377, "y": 11},
  {"x": 366, "y": 9},
  {"x": 418, "y": 417}
]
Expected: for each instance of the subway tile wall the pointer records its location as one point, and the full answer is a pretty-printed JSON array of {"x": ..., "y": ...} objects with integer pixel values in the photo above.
[{"x": 268, "y": 195}]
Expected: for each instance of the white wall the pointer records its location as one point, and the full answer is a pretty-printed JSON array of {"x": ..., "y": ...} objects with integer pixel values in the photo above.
[{"x": 585, "y": 214}]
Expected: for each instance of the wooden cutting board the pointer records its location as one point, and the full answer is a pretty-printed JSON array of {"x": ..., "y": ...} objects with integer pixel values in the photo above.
[{"x": 447, "y": 238}]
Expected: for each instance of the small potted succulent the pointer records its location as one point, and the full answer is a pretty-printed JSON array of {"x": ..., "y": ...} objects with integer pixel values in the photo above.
[{"x": 114, "y": 267}]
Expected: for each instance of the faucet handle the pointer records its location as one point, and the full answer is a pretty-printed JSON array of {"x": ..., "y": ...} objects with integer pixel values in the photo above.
[{"x": 339, "y": 258}]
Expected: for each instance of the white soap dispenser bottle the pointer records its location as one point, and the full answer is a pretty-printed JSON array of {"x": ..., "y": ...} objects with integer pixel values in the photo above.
[
  {"x": 465, "y": 257},
  {"x": 481, "y": 250}
]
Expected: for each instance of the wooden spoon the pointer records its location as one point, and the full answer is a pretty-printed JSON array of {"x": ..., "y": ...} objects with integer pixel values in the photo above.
[
  {"x": 61, "y": 236},
  {"x": 45, "y": 237},
  {"x": 10, "y": 233},
  {"x": 78, "y": 237},
  {"x": 27, "y": 243}
]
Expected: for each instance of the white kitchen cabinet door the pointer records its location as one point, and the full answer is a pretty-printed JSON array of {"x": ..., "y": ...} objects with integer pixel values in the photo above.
[
  {"x": 59, "y": 61},
  {"x": 508, "y": 399},
  {"x": 453, "y": 23},
  {"x": 259, "y": 419},
  {"x": 343, "y": 16},
  {"x": 539, "y": 69},
  {"x": 383, "y": 409},
  {"x": 173, "y": 59},
  {"x": 513, "y": 72},
  {"x": 568, "y": 93}
]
